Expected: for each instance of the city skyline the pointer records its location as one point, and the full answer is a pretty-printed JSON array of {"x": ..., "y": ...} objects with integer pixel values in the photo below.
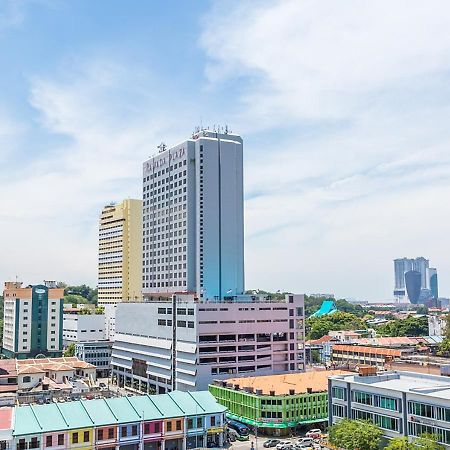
[{"x": 342, "y": 156}]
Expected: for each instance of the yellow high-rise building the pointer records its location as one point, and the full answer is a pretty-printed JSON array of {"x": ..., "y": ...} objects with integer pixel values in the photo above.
[{"x": 120, "y": 253}]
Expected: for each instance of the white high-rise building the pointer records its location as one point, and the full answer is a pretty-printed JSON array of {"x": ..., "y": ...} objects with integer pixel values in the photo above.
[{"x": 193, "y": 224}]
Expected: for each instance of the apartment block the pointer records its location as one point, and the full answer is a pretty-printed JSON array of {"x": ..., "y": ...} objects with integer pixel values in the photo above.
[{"x": 32, "y": 320}]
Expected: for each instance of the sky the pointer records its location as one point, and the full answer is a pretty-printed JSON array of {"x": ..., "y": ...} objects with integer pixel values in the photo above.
[{"x": 344, "y": 108}]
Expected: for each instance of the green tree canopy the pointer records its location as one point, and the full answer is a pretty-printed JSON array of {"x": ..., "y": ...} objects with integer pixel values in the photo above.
[
  {"x": 355, "y": 434},
  {"x": 412, "y": 326},
  {"x": 424, "y": 442},
  {"x": 317, "y": 327},
  {"x": 80, "y": 294},
  {"x": 70, "y": 350}
]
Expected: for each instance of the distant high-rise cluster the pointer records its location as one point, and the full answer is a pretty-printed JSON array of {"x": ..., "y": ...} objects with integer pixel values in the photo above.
[{"x": 415, "y": 280}]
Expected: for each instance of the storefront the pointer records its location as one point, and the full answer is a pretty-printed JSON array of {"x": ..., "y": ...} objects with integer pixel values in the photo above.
[
  {"x": 153, "y": 445},
  {"x": 195, "y": 441},
  {"x": 174, "y": 444},
  {"x": 215, "y": 437}
]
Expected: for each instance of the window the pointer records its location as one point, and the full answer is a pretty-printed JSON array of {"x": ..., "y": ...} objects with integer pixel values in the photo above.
[
  {"x": 86, "y": 436},
  {"x": 124, "y": 432},
  {"x": 190, "y": 424},
  {"x": 146, "y": 428},
  {"x": 386, "y": 402},
  {"x": 110, "y": 433},
  {"x": 26, "y": 379},
  {"x": 99, "y": 435},
  {"x": 74, "y": 438},
  {"x": 420, "y": 409},
  {"x": 157, "y": 428},
  {"x": 213, "y": 421},
  {"x": 199, "y": 422},
  {"x": 338, "y": 392},
  {"x": 169, "y": 426},
  {"x": 48, "y": 441},
  {"x": 134, "y": 430},
  {"x": 339, "y": 411},
  {"x": 362, "y": 397},
  {"x": 178, "y": 425},
  {"x": 60, "y": 439}
]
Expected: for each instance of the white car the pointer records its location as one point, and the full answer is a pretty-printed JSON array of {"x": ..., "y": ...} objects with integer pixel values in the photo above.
[
  {"x": 281, "y": 444},
  {"x": 315, "y": 433},
  {"x": 305, "y": 442}
]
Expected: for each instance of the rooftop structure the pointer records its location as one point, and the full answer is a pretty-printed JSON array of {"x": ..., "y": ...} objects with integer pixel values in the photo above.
[{"x": 327, "y": 307}]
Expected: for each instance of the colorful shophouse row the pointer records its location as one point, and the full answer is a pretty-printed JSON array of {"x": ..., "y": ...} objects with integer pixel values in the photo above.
[{"x": 178, "y": 420}]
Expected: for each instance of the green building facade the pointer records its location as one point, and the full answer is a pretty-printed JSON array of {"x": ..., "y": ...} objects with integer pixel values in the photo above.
[{"x": 273, "y": 415}]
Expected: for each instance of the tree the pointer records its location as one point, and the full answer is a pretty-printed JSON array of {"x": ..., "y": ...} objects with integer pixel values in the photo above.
[
  {"x": 70, "y": 350},
  {"x": 317, "y": 327},
  {"x": 412, "y": 326},
  {"x": 423, "y": 442},
  {"x": 355, "y": 434},
  {"x": 399, "y": 444}
]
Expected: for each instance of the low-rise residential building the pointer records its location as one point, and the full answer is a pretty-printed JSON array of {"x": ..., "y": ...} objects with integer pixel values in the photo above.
[
  {"x": 97, "y": 353},
  {"x": 34, "y": 379},
  {"x": 32, "y": 320},
  {"x": 276, "y": 403},
  {"x": 185, "y": 343},
  {"x": 179, "y": 420},
  {"x": 400, "y": 403},
  {"x": 83, "y": 327}
]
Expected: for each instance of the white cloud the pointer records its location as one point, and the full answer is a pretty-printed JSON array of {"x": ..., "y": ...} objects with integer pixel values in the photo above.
[
  {"x": 97, "y": 148},
  {"x": 357, "y": 94}
]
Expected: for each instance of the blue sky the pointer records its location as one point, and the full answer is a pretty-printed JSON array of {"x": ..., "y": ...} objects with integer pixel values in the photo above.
[{"x": 344, "y": 109}]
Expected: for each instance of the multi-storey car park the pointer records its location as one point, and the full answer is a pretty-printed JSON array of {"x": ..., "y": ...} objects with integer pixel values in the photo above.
[{"x": 185, "y": 343}]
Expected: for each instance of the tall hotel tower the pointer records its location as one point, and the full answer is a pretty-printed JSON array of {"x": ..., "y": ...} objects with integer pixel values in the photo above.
[
  {"x": 193, "y": 225},
  {"x": 119, "y": 258}
]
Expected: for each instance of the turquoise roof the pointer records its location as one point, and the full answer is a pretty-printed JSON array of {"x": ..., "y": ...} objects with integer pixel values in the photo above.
[
  {"x": 327, "y": 307},
  {"x": 89, "y": 413}
]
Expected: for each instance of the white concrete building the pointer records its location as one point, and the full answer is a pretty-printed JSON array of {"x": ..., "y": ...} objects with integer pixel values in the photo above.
[
  {"x": 436, "y": 325},
  {"x": 400, "y": 403},
  {"x": 185, "y": 343},
  {"x": 193, "y": 225},
  {"x": 97, "y": 353},
  {"x": 83, "y": 327}
]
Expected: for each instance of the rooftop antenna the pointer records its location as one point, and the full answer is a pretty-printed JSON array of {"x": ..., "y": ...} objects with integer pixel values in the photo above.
[
  {"x": 162, "y": 147},
  {"x": 226, "y": 129}
]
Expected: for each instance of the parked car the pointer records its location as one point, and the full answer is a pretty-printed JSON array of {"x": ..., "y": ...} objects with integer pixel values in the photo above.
[
  {"x": 289, "y": 446},
  {"x": 281, "y": 444},
  {"x": 305, "y": 442},
  {"x": 315, "y": 433},
  {"x": 271, "y": 443}
]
